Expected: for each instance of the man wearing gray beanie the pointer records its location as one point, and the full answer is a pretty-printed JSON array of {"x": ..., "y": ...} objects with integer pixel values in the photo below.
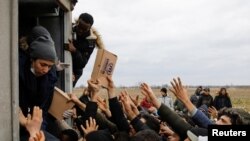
[
  {"x": 37, "y": 75},
  {"x": 41, "y": 44},
  {"x": 38, "y": 31},
  {"x": 43, "y": 48}
]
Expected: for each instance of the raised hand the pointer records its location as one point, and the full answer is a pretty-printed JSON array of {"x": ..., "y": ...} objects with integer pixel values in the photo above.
[
  {"x": 102, "y": 104},
  {"x": 135, "y": 100},
  {"x": 94, "y": 88},
  {"x": 178, "y": 90},
  {"x": 90, "y": 126},
  {"x": 33, "y": 123},
  {"x": 148, "y": 92},
  {"x": 71, "y": 47},
  {"x": 213, "y": 112},
  {"x": 129, "y": 107},
  {"x": 181, "y": 93},
  {"x": 73, "y": 98},
  {"x": 165, "y": 130},
  {"x": 111, "y": 87},
  {"x": 76, "y": 100}
]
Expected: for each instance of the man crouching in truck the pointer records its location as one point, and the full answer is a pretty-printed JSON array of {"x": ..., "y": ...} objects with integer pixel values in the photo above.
[
  {"x": 84, "y": 40},
  {"x": 37, "y": 75}
]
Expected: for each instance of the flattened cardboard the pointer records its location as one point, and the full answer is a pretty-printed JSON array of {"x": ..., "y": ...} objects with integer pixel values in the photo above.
[
  {"x": 104, "y": 66},
  {"x": 60, "y": 103}
]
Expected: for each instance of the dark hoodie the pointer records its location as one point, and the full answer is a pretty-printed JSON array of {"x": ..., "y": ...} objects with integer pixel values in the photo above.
[{"x": 37, "y": 91}]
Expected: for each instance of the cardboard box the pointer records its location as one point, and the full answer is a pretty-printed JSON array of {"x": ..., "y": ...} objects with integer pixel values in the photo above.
[
  {"x": 60, "y": 103},
  {"x": 104, "y": 66}
]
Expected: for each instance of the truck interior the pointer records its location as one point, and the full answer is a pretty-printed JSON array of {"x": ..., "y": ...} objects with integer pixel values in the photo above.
[{"x": 55, "y": 16}]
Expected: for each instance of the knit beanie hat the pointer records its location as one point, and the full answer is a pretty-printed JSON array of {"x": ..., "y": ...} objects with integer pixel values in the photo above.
[
  {"x": 42, "y": 46},
  {"x": 36, "y": 32}
]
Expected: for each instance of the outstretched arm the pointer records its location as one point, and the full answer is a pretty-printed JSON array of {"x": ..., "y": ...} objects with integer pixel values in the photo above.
[
  {"x": 118, "y": 116},
  {"x": 181, "y": 93}
]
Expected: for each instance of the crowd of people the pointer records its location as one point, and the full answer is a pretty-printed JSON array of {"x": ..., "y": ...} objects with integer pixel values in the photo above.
[{"x": 121, "y": 117}]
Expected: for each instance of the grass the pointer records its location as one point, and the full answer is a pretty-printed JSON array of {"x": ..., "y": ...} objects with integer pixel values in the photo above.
[{"x": 240, "y": 96}]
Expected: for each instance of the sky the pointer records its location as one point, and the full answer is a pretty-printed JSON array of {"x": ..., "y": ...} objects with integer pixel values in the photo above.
[{"x": 204, "y": 42}]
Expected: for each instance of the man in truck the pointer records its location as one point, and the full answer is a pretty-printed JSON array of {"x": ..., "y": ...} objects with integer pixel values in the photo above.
[{"x": 84, "y": 39}]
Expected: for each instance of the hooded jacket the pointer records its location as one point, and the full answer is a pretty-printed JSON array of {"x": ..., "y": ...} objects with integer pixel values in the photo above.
[{"x": 36, "y": 91}]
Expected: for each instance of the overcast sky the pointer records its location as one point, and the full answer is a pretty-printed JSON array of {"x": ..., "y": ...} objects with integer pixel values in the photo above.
[{"x": 205, "y": 42}]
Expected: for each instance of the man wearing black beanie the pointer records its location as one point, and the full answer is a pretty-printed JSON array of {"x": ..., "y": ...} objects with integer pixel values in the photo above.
[{"x": 37, "y": 74}]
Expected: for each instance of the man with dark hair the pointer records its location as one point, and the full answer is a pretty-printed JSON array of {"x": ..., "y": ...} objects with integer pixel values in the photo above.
[
  {"x": 84, "y": 39},
  {"x": 205, "y": 98},
  {"x": 229, "y": 116},
  {"x": 196, "y": 96},
  {"x": 166, "y": 99}
]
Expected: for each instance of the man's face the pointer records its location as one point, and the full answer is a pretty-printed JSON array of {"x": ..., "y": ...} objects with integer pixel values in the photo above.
[
  {"x": 163, "y": 94},
  {"x": 224, "y": 120},
  {"x": 199, "y": 90},
  {"x": 41, "y": 67},
  {"x": 82, "y": 27},
  {"x": 223, "y": 91}
]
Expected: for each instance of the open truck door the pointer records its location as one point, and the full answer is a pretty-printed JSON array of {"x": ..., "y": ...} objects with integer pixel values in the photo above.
[
  {"x": 17, "y": 18},
  {"x": 55, "y": 16}
]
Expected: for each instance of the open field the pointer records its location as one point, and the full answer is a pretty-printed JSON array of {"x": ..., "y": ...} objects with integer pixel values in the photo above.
[{"x": 240, "y": 96}]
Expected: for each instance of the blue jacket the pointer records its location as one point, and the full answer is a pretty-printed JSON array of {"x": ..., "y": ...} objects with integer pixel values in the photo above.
[{"x": 201, "y": 119}]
